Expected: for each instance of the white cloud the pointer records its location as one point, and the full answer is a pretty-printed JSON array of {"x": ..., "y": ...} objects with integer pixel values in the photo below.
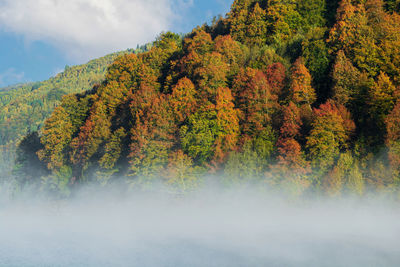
[
  {"x": 11, "y": 76},
  {"x": 90, "y": 28}
]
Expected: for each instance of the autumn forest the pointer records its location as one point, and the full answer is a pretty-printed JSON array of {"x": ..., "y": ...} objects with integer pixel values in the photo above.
[{"x": 301, "y": 96}]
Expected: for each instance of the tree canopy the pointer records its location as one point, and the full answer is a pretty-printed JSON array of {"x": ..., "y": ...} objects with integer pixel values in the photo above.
[{"x": 289, "y": 93}]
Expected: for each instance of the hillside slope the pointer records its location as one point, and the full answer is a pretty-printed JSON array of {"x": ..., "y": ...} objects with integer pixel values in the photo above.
[
  {"x": 24, "y": 107},
  {"x": 288, "y": 94}
]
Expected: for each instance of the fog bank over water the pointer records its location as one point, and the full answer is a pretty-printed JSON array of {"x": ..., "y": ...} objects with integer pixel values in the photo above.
[{"x": 236, "y": 228}]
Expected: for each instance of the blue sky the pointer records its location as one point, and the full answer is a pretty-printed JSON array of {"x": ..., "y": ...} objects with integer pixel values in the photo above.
[{"x": 38, "y": 38}]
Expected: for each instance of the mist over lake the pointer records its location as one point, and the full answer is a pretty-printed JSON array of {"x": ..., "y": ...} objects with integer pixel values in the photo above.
[{"x": 215, "y": 229}]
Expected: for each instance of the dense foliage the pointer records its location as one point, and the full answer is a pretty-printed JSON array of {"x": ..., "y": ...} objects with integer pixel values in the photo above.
[{"x": 286, "y": 93}]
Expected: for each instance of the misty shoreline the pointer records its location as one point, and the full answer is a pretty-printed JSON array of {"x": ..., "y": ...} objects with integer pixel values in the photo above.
[{"x": 231, "y": 228}]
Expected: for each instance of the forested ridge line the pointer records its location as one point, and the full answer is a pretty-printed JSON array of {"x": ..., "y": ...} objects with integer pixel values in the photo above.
[{"x": 302, "y": 96}]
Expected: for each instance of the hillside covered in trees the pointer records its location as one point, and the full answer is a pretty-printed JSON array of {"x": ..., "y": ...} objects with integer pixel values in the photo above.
[
  {"x": 24, "y": 107},
  {"x": 300, "y": 95}
]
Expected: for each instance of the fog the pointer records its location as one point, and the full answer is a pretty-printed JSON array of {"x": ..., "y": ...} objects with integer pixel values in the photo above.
[{"x": 210, "y": 228}]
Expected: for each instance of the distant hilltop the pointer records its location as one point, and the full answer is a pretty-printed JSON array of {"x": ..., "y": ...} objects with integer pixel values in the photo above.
[{"x": 24, "y": 107}]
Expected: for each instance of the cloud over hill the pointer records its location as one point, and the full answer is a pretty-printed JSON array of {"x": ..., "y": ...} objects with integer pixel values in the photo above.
[{"x": 90, "y": 28}]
